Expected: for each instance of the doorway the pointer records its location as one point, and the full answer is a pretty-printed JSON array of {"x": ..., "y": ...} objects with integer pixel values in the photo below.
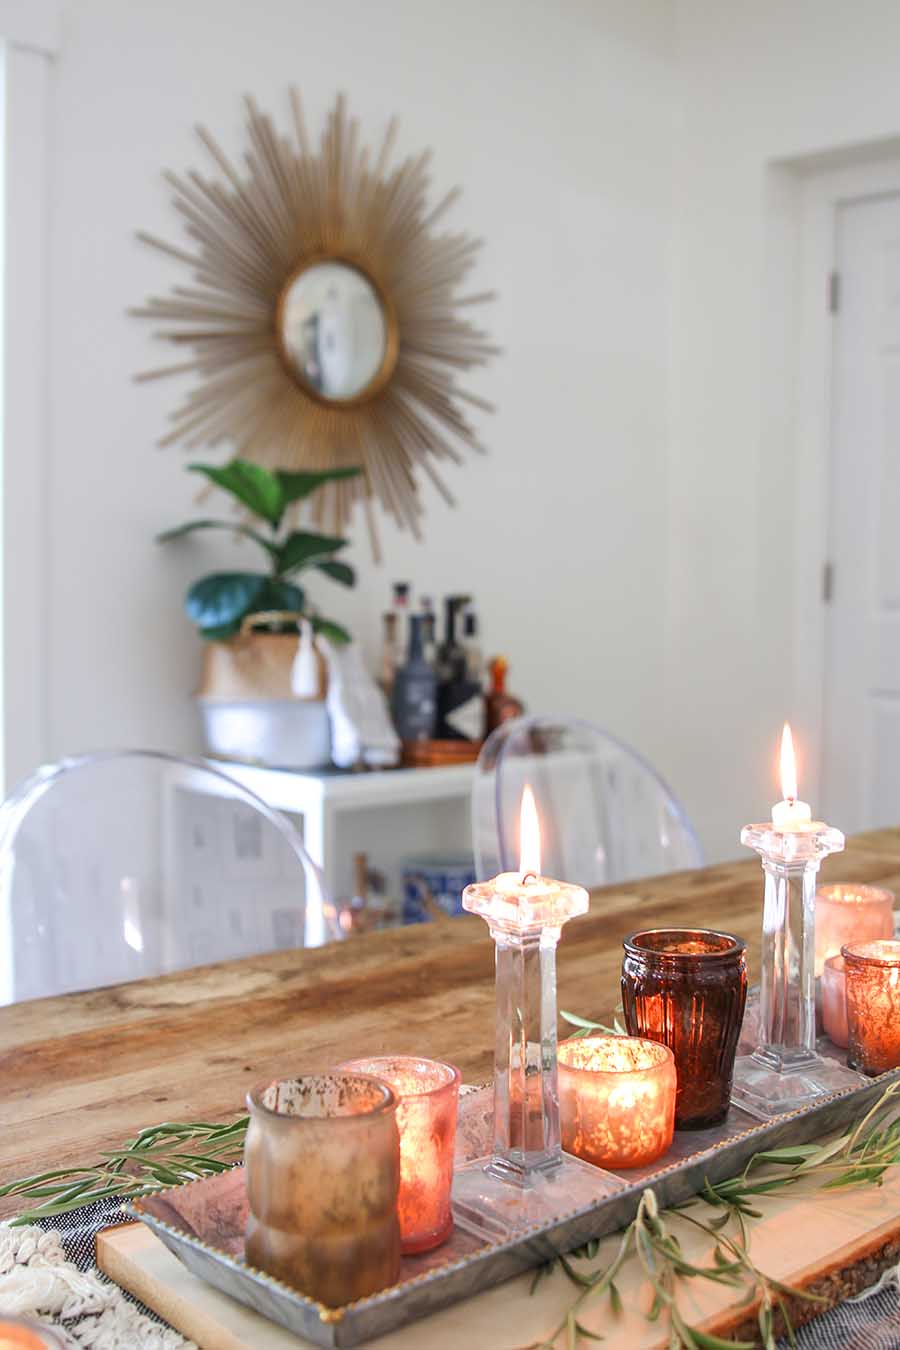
[{"x": 861, "y": 578}]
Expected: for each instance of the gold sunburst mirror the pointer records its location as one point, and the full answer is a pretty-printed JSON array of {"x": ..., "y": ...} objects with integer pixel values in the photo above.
[{"x": 324, "y": 320}]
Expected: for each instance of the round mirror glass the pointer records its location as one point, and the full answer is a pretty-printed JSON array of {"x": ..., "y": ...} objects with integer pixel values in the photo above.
[{"x": 334, "y": 331}]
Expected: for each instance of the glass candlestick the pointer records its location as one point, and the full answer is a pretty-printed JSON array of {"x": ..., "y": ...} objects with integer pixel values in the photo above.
[
  {"x": 528, "y": 1178},
  {"x": 784, "y": 1072}
]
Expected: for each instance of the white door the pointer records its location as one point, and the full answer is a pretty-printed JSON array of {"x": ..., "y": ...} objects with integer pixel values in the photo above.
[{"x": 861, "y": 742}]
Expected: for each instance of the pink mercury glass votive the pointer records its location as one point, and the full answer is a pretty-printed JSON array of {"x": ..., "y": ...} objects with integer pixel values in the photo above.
[
  {"x": 849, "y": 913},
  {"x": 834, "y": 1001},
  {"x": 427, "y": 1093}
]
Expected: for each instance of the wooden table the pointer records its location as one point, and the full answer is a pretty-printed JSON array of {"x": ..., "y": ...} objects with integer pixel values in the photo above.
[{"x": 86, "y": 1071}]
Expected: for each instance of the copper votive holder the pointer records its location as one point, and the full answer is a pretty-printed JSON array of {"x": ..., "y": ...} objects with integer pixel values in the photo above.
[
  {"x": 872, "y": 975},
  {"x": 427, "y": 1093},
  {"x": 686, "y": 987},
  {"x": 851, "y": 913},
  {"x": 616, "y": 1099},
  {"x": 322, "y": 1161}
]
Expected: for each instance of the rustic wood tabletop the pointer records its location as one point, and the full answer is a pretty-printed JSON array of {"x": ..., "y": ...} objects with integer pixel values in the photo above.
[{"x": 86, "y": 1071}]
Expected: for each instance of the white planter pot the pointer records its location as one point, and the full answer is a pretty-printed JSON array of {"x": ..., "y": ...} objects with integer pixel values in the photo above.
[{"x": 280, "y": 733}]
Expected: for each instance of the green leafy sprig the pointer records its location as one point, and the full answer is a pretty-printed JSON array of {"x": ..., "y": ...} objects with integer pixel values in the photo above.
[
  {"x": 160, "y": 1156},
  {"x": 859, "y": 1157}
]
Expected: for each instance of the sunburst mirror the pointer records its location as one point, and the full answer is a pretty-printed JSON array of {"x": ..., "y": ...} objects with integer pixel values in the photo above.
[{"x": 324, "y": 318}]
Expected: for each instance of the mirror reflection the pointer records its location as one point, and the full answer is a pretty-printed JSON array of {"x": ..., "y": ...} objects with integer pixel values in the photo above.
[{"x": 333, "y": 330}]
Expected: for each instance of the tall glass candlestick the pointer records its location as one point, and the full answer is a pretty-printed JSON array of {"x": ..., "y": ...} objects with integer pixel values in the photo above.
[
  {"x": 784, "y": 1072},
  {"x": 528, "y": 1178}
]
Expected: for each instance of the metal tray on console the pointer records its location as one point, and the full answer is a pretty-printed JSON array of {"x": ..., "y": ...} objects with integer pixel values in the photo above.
[{"x": 202, "y": 1223}]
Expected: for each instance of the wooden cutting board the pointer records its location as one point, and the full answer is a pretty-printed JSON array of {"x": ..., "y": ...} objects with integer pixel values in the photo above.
[{"x": 834, "y": 1243}]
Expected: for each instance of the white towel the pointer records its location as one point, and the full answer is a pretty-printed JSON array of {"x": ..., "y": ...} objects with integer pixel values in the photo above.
[{"x": 361, "y": 727}]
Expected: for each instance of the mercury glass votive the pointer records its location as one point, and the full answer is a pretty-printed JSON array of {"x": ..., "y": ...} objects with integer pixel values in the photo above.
[
  {"x": 848, "y": 913},
  {"x": 616, "y": 1099},
  {"x": 686, "y": 987},
  {"x": 427, "y": 1093},
  {"x": 322, "y": 1162},
  {"x": 872, "y": 974},
  {"x": 834, "y": 1001}
]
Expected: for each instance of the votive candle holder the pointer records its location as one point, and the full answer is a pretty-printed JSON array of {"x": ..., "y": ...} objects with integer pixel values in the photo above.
[
  {"x": 427, "y": 1093},
  {"x": 616, "y": 1099},
  {"x": 686, "y": 987},
  {"x": 849, "y": 913},
  {"x": 834, "y": 1001},
  {"x": 872, "y": 975},
  {"x": 322, "y": 1160}
]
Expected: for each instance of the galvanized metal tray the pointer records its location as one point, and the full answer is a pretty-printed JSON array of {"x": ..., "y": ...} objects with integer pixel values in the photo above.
[{"x": 202, "y": 1223}]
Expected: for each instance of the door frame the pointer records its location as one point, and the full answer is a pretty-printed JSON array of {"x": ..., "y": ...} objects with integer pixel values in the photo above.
[
  {"x": 821, "y": 192},
  {"x": 30, "y": 33}
]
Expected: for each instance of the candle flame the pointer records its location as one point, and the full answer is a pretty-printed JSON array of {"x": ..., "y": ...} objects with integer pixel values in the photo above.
[
  {"x": 529, "y": 835},
  {"x": 788, "y": 765}
]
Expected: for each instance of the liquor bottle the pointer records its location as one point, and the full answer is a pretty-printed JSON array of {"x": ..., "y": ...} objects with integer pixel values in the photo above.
[
  {"x": 500, "y": 706},
  {"x": 414, "y": 703},
  {"x": 472, "y": 647},
  {"x": 388, "y": 664},
  {"x": 429, "y": 635},
  {"x": 460, "y": 698}
]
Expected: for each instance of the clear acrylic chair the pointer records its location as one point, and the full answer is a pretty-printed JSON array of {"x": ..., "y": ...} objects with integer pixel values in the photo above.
[
  {"x": 605, "y": 814},
  {"x": 125, "y": 864}
]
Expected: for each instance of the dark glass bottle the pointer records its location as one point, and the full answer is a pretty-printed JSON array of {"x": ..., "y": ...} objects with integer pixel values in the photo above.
[
  {"x": 500, "y": 706},
  {"x": 414, "y": 701},
  {"x": 460, "y": 698},
  {"x": 686, "y": 987}
]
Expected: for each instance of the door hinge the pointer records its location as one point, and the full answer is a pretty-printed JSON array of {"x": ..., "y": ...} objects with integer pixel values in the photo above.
[
  {"x": 828, "y": 582},
  {"x": 834, "y": 292}
]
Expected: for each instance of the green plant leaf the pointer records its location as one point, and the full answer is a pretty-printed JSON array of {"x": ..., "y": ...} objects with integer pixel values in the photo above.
[
  {"x": 300, "y": 549},
  {"x": 282, "y": 595},
  {"x": 251, "y": 484},
  {"x": 234, "y": 526},
  {"x": 220, "y": 634},
  {"x": 333, "y": 631},
  {"x": 338, "y": 571},
  {"x": 296, "y": 486},
  {"x": 223, "y": 598}
]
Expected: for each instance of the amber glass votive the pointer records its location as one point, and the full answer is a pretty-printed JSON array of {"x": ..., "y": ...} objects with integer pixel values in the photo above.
[
  {"x": 616, "y": 1099},
  {"x": 848, "y": 913},
  {"x": 686, "y": 987},
  {"x": 834, "y": 1001},
  {"x": 427, "y": 1093},
  {"x": 872, "y": 975},
  {"x": 323, "y": 1173}
]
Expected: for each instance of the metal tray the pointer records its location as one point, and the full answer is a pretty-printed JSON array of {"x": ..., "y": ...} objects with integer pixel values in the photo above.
[{"x": 202, "y": 1223}]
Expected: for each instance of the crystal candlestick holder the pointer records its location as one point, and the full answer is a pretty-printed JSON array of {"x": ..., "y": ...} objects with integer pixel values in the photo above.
[
  {"x": 784, "y": 1072},
  {"x": 527, "y": 1179}
]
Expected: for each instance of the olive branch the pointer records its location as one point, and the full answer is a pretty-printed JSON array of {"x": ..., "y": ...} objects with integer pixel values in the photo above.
[{"x": 862, "y": 1156}]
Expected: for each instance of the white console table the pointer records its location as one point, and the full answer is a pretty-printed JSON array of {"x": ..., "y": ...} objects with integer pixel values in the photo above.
[{"x": 387, "y": 814}]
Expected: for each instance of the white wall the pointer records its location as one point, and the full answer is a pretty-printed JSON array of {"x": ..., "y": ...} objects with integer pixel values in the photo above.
[
  {"x": 765, "y": 89},
  {"x": 555, "y": 119}
]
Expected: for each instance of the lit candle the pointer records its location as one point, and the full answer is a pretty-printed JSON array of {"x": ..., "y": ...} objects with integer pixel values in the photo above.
[
  {"x": 872, "y": 974},
  {"x": 848, "y": 913},
  {"x": 616, "y": 1099},
  {"x": 790, "y": 814},
  {"x": 427, "y": 1093}
]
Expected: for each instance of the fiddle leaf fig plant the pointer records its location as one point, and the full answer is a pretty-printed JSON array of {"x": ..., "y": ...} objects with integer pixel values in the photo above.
[{"x": 219, "y": 603}]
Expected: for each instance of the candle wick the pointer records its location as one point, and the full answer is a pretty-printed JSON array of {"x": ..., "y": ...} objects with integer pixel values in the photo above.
[{"x": 528, "y": 876}]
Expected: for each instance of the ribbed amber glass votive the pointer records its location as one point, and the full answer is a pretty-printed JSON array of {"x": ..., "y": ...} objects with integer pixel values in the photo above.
[
  {"x": 616, "y": 1099},
  {"x": 686, "y": 988},
  {"x": 323, "y": 1173},
  {"x": 872, "y": 976},
  {"x": 427, "y": 1093}
]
